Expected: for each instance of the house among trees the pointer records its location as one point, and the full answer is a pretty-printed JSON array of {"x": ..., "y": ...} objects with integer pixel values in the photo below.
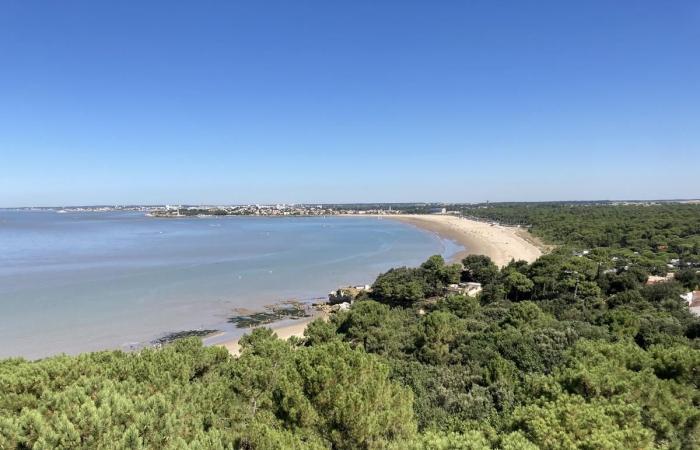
[
  {"x": 347, "y": 294},
  {"x": 653, "y": 279},
  {"x": 470, "y": 289},
  {"x": 693, "y": 299}
]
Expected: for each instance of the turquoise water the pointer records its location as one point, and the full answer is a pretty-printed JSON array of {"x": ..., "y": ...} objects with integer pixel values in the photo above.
[{"x": 84, "y": 281}]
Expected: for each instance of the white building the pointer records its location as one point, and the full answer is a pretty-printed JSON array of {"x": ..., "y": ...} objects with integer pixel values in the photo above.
[{"x": 469, "y": 289}]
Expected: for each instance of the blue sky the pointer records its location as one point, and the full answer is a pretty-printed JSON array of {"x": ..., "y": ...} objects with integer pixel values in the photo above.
[{"x": 298, "y": 101}]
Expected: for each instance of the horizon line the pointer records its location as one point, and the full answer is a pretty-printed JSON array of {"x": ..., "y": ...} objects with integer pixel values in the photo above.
[{"x": 146, "y": 205}]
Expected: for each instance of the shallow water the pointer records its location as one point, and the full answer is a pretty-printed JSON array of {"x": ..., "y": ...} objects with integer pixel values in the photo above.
[{"x": 84, "y": 281}]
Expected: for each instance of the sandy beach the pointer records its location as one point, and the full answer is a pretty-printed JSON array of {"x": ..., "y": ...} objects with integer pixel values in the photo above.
[
  {"x": 498, "y": 242},
  {"x": 283, "y": 330}
]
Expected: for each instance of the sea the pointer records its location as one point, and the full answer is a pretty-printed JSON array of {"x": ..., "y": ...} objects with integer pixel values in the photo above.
[{"x": 83, "y": 281}]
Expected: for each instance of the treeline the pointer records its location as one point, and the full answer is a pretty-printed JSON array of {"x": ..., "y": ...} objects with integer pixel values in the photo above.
[
  {"x": 573, "y": 351},
  {"x": 657, "y": 232}
]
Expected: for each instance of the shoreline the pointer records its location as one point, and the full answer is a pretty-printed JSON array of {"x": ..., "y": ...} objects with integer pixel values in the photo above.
[
  {"x": 498, "y": 242},
  {"x": 283, "y": 329}
]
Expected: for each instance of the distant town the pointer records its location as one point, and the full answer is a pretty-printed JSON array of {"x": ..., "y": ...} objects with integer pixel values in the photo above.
[
  {"x": 249, "y": 210},
  {"x": 266, "y": 210},
  {"x": 327, "y": 209}
]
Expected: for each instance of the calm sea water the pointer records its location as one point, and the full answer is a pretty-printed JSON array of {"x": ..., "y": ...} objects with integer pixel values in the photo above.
[{"x": 84, "y": 281}]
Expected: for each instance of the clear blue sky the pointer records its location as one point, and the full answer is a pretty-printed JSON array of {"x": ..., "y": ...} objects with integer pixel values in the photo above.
[{"x": 327, "y": 101}]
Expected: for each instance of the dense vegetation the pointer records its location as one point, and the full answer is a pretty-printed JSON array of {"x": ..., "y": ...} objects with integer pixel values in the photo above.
[
  {"x": 571, "y": 351},
  {"x": 657, "y": 233}
]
